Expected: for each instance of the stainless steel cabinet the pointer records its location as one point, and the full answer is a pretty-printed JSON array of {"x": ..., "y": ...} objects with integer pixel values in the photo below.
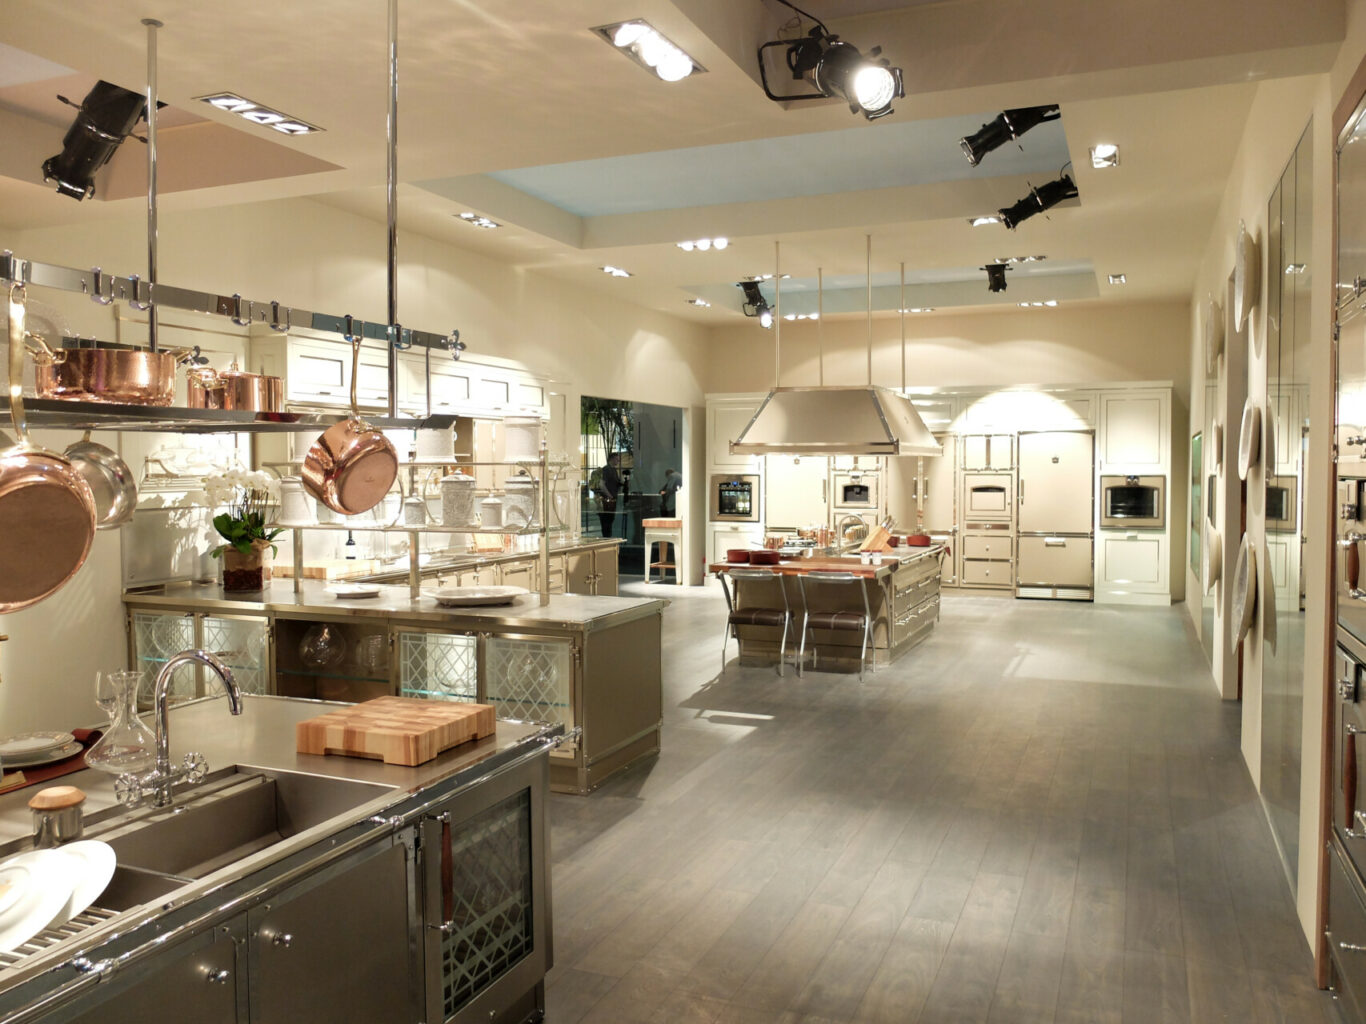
[
  {"x": 198, "y": 978},
  {"x": 242, "y": 641},
  {"x": 592, "y": 571}
]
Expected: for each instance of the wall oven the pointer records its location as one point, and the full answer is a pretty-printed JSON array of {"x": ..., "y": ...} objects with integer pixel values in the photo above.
[
  {"x": 856, "y": 490},
  {"x": 1282, "y": 503},
  {"x": 734, "y": 498},
  {"x": 1129, "y": 502}
]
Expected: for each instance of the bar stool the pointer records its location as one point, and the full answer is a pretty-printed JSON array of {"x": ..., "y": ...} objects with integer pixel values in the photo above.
[
  {"x": 664, "y": 532},
  {"x": 836, "y": 620},
  {"x": 755, "y": 615}
]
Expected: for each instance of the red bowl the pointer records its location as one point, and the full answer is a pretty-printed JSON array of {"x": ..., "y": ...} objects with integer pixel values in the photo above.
[
  {"x": 737, "y": 556},
  {"x": 893, "y": 540},
  {"x": 764, "y": 558},
  {"x": 919, "y": 540}
]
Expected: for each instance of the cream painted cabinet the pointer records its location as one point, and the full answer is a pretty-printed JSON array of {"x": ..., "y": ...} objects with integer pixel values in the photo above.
[
  {"x": 450, "y": 383},
  {"x": 798, "y": 491},
  {"x": 1135, "y": 428},
  {"x": 1132, "y": 567},
  {"x": 725, "y": 422},
  {"x": 521, "y": 573},
  {"x": 989, "y": 451}
]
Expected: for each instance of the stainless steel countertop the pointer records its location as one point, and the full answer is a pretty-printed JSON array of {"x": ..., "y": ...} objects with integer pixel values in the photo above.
[
  {"x": 577, "y": 612},
  {"x": 473, "y": 560}
]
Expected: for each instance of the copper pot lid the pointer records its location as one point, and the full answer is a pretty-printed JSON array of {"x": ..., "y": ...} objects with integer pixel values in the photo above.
[{"x": 47, "y": 526}]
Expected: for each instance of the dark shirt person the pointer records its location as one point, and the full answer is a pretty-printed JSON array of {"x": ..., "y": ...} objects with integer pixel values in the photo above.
[
  {"x": 608, "y": 489},
  {"x": 668, "y": 494}
]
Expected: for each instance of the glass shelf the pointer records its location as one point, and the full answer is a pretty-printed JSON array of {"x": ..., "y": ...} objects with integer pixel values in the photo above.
[
  {"x": 530, "y": 531},
  {"x": 343, "y": 676}
]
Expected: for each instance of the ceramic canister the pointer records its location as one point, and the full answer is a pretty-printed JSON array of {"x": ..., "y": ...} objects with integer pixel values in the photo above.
[
  {"x": 457, "y": 500},
  {"x": 414, "y": 511},
  {"x": 519, "y": 501},
  {"x": 522, "y": 438},
  {"x": 296, "y": 504},
  {"x": 436, "y": 443},
  {"x": 491, "y": 512}
]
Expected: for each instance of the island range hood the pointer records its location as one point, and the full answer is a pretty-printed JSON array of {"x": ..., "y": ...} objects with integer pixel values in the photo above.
[{"x": 856, "y": 420}]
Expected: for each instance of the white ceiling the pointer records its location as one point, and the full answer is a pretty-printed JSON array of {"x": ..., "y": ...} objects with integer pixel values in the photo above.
[{"x": 486, "y": 95}]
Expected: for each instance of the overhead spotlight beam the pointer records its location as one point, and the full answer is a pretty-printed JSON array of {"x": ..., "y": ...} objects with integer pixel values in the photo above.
[
  {"x": 1007, "y": 125},
  {"x": 106, "y": 117},
  {"x": 1045, "y": 197},
  {"x": 755, "y": 304}
]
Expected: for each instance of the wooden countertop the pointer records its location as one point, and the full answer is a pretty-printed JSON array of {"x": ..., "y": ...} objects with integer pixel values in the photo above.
[{"x": 838, "y": 563}]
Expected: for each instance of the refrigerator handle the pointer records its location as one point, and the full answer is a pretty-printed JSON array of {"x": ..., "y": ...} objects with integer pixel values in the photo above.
[
  {"x": 1021, "y": 500},
  {"x": 825, "y": 492}
]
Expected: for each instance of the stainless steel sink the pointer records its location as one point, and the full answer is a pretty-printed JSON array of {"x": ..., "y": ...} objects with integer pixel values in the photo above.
[
  {"x": 132, "y": 887},
  {"x": 234, "y": 813}
]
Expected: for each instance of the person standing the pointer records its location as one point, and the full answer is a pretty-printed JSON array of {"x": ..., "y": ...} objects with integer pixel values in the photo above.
[
  {"x": 668, "y": 494},
  {"x": 608, "y": 489}
]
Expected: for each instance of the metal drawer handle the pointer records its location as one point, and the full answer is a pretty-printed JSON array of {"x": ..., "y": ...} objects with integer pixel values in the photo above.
[
  {"x": 1351, "y": 947},
  {"x": 217, "y": 977},
  {"x": 282, "y": 939},
  {"x": 1351, "y": 538}
]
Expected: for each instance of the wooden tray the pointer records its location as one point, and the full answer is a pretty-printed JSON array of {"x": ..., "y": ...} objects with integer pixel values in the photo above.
[{"x": 396, "y": 730}]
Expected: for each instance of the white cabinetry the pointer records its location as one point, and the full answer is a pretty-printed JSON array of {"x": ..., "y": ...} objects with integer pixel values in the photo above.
[
  {"x": 1135, "y": 431},
  {"x": 726, "y": 420},
  {"x": 798, "y": 491},
  {"x": 1133, "y": 566}
]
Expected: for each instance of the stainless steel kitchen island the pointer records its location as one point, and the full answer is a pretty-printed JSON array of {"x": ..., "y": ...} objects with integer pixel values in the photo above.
[{"x": 356, "y": 891}]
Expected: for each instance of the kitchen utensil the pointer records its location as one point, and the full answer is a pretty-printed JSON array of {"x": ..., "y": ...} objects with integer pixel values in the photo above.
[
  {"x": 397, "y": 730},
  {"x": 127, "y": 745},
  {"x": 1244, "y": 592},
  {"x": 111, "y": 482},
  {"x": 296, "y": 505},
  {"x": 876, "y": 540},
  {"x": 47, "y": 513},
  {"x": 233, "y": 389},
  {"x": 322, "y": 646},
  {"x": 457, "y": 499},
  {"x": 1247, "y": 279},
  {"x": 34, "y": 887},
  {"x": 29, "y": 743},
  {"x": 521, "y": 439},
  {"x": 354, "y": 590},
  {"x": 352, "y": 465},
  {"x": 738, "y": 556},
  {"x": 371, "y": 650},
  {"x": 46, "y": 757},
  {"x": 1249, "y": 438},
  {"x": 764, "y": 556},
  {"x": 1214, "y": 335},
  {"x": 1214, "y": 556},
  {"x": 919, "y": 540},
  {"x": 90, "y": 865},
  {"x": 57, "y": 816},
  {"x": 461, "y": 597},
  {"x": 123, "y": 376}
]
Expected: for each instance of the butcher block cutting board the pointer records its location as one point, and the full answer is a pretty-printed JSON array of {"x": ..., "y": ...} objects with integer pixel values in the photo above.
[
  {"x": 396, "y": 730},
  {"x": 330, "y": 568}
]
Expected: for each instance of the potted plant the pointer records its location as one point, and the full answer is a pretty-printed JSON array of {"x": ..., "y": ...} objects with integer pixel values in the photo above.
[{"x": 246, "y": 555}]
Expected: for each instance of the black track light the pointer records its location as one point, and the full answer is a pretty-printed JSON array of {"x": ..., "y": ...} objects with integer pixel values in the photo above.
[
  {"x": 755, "y": 304},
  {"x": 868, "y": 84},
  {"x": 107, "y": 116},
  {"x": 1045, "y": 197},
  {"x": 996, "y": 276},
  {"x": 1008, "y": 124}
]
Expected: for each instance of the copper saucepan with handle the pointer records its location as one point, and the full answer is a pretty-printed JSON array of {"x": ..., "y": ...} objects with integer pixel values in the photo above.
[
  {"x": 351, "y": 467},
  {"x": 113, "y": 375},
  {"x": 234, "y": 389},
  {"x": 47, "y": 513}
]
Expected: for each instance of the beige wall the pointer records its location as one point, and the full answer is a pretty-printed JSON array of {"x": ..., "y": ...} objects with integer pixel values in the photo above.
[{"x": 319, "y": 257}]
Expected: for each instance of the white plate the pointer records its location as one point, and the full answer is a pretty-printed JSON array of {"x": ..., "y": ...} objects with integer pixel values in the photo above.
[
  {"x": 354, "y": 590},
  {"x": 1217, "y": 433},
  {"x": 91, "y": 865},
  {"x": 1249, "y": 438},
  {"x": 460, "y": 597},
  {"x": 30, "y": 743},
  {"x": 1247, "y": 278},
  {"x": 46, "y": 757},
  {"x": 1268, "y": 600},
  {"x": 1244, "y": 593},
  {"x": 34, "y": 887},
  {"x": 1214, "y": 556},
  {"x": 1214, "y": 336}
]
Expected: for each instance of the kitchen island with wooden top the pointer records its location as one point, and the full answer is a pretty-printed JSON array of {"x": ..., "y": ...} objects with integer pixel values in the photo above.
[{"x": 903, "y": 601}]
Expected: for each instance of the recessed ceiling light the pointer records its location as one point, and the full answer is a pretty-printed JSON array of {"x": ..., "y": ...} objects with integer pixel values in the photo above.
[
  {"x": 615, "y": 271},
  {"x": 1117, "y": 279},
  {"x": 766, "y": 277},
  {"x": 259, "y": 114},
  {"x": 1036, "y": 305},
  {"x": 703, "y": 303},
  {"x": 917, "y": 309},
  {"x": 801, "y": 316},
  {"x": 978, "y": 222},
  {"x": 478, "y": 221},
  {"x": 645, "y": 45},
  {"x": 703, "y": 244},
  {"x": 1020, "y": 259},
  {"x": 1105, "y": 155}
]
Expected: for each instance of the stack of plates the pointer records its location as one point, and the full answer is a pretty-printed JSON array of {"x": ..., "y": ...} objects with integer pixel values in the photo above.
[
  {"x": 47, "y": 888},
  {"x": 34, "y": 748},
  {"x": 460, "y": 597}
]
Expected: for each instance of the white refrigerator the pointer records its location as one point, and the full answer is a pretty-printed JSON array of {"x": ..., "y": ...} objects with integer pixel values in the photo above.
[{"x": 1055, "y": 509}]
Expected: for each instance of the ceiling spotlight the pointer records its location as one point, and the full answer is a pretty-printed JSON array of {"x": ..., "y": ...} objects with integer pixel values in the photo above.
[
  {"x": 917, "y": 309},
  {"x": 1020, "y": 259},
  {"x": 478, "y": 221},
  {"x": 978, "y": 222},
  {"x": 650, "y": 49},
  {"x": 835, "y": 68},
  {"x": 1117, "y": 278},
  {"x": 615, "y": 271},
  {"x": 258, "y": 113},
  {"x": 106, "y": 117},
  {"x": 702, "y": 303},
  {"x": 1036, "y": 305},
  {"x": 1105, "y": 155},
  {"x": 766, "y": 277},
  {"x": 755, "y": 304},
  {"x": 703, "y": 244},
  {"x": 1045, "y": 197},
  {"x": 1009, "y": 124},
  {"x": 801, "y": 316},
  {"x": 996, "y": 276}
]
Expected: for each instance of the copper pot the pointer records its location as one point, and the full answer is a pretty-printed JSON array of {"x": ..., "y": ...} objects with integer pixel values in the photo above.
[
  {"x": 47, "y": 513},
  {"x": 118, "y": 376},
  {"x": 352, "y": 466},
  {"x": 234, "y": 389}
]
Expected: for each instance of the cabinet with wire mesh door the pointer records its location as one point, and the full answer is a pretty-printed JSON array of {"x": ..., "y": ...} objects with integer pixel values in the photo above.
[
  {"x": 242, "y": 642},
  {"x": 485, "y": 897}
]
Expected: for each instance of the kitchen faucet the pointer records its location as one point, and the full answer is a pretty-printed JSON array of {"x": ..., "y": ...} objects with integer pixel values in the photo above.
[{"x": 157, "y": 783}]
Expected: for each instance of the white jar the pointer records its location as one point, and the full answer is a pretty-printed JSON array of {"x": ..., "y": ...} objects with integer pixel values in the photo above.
[
  {"x": 296, "y": 504},
  {"x": 519, "y": 501},
  {"x": 491, "y": 513},
  {"x": 521, "y": 439},
  {"x": 414, "y": 511},
  {"x": 436, "y": 444},
  {"x": 457, "y": 500}
]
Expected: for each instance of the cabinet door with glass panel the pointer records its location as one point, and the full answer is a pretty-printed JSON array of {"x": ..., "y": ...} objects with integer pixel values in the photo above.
[{"x": 242, "y": 642}]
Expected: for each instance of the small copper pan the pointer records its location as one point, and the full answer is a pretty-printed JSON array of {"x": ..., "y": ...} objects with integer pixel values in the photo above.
[
  {"x": 234, "y": 389},
  {"x": 47, "y": 513},
  {"x": 352, "y": 466},
  {"x": 122, "y": 376}
]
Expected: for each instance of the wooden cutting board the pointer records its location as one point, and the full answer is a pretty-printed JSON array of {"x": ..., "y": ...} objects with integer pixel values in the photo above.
[
  {"x": 329, "y": 568},
  {"x": 396, "y": 730}
]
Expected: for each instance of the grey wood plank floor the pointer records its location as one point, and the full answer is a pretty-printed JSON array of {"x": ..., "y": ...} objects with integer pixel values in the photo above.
[{"x": 1039, "y": 815}]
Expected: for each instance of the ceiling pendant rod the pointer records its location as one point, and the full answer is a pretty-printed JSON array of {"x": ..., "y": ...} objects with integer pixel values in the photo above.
[
  {"x": 152, "y": 26},
  {"x": 903, "y": 327},
  {"x": 820, "y": 324},
  {"x": 777, "y": 312},
  {"x": 395, "y": 332},
  {"x": 869, "y": 265}
]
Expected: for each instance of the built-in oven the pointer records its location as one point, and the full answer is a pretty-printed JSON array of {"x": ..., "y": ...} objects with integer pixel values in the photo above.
[
  {"x": 987, "y": 496},
  {"x": 1282, "y": 503},
  {"x": 1133, "y": 502},
  {"x": 856, "y": 490},
  {"x": 734, "y": 498}
]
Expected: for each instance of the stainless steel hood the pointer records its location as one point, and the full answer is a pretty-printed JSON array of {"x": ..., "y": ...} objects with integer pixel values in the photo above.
[{"x": 836, "y": 421}]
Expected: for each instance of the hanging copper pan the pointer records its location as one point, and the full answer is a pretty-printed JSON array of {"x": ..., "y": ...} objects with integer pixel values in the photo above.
[
  {"x": 122, "y": 376},
  {"x": 47, "y": 513},
  {"x": 352, "y": 466},
  {"x": 234, "y": 389}
]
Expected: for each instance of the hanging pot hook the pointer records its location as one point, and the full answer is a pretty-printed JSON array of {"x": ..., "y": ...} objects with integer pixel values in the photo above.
[
  {"x": 135, "y": 302},
  {"x": 98, "y": 295}
]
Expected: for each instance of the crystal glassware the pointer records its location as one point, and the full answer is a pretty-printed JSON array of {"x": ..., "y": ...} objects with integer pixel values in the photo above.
[{"x": 127, "y": 744}]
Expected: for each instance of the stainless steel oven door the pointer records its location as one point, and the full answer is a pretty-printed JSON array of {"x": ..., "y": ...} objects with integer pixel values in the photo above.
[
  {"x": 856, "y": 490},
  {"x": 734, "y": 499},
  {"x": 987, "y": 496},
  {"x": 1133, "y": 502}
]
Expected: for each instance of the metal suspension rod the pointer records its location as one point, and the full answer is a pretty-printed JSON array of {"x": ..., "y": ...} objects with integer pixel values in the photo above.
[
  {"x": 869, "y": 271},
  {"x": 820, "y": 323},
  {"x": 152, "y": 26},
  {"x": 777, "y": 314},
  {"x": 395, "y": 332},
  {"x": 903, "y": 328}
]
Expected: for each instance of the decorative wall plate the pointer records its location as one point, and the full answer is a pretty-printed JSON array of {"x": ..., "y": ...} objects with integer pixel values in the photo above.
[
  {"x": 1249, "y": 438},
  {"x": 1214, "y": 335},
  {"x": 1247, "y": 276},
  {"x": 1214, "y": 557},
  {"x": 1268, "y": 599},
  {"x": 1244, "y": 593},
  {"x": 1216, "y": 443}
]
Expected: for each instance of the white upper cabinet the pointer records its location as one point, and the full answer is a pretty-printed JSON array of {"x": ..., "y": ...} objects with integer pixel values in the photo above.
[
  {"x": 1136, "y": 431},
  {"x": 725, "y": 422}
]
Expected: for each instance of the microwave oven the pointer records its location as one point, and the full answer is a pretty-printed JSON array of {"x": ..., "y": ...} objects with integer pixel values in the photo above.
[
  {"x": 1282, "y": 503},
  {"x": 1130, "y": 502},
  {"x": 856, "y": 490},
  {"x": 734, "y": 498}
]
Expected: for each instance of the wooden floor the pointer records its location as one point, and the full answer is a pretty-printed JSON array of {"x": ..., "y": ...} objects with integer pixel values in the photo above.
[{"x": 1041, "y": 814}]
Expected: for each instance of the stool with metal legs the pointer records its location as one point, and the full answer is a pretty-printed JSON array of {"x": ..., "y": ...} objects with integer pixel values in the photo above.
[
  {"x": 835, "y": 620},
  {"x": 754, "y": 615}
]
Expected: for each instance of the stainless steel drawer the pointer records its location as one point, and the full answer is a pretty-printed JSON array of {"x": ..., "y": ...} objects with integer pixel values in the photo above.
[
  {"x": 919, "y": 618},
  {"x": 907, "y": 597},
  {"x": 987, "y": 547},
  {"x": 1347, "y": 932},
  {"x": 987, "y": 574}
]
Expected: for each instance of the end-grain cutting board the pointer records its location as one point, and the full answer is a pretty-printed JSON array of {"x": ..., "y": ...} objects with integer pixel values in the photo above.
[{"x": 397, "y": 730}]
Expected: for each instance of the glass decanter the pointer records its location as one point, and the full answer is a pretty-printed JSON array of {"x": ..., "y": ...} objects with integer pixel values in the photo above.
[{"x": 127, "y": 744}]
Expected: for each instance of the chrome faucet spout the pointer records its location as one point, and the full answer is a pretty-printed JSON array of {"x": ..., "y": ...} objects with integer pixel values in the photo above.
[{"x": 162, "y": 774}]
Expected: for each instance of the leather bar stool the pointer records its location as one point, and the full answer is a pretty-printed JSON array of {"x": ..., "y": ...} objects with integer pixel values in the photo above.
[
  {"x": 835, "y": 620},
  {"x": 754, "y": 615}
]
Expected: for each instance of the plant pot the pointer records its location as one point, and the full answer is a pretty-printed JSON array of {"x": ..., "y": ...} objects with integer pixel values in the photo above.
[{"x": 248, "y": 572}]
